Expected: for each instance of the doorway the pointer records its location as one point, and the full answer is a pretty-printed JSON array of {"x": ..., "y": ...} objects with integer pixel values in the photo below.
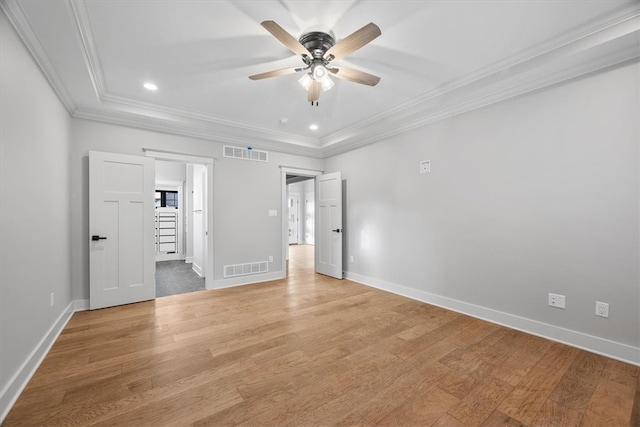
[
  {"x": 298, "y": 216},
  {"x": 187, "y": 266},
  {"x": 179, "y": 220}
]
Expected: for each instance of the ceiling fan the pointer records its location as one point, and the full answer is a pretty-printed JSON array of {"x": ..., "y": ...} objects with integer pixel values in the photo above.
[{"x": 317, "y": 49}]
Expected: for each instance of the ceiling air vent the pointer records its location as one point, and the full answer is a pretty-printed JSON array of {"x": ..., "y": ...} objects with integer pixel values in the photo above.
[
  {"x": 246, "y": 269},
  {"x": 245, "y": 153}
]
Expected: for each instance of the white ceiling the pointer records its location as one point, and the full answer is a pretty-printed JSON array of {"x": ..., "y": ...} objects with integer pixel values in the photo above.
[{"x": 435, "y": 59}]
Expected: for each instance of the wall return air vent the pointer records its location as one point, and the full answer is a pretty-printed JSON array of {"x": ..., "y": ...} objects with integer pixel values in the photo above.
[
  {"x": 246, "y": 269},
  {"x": 245, "y": 153}
]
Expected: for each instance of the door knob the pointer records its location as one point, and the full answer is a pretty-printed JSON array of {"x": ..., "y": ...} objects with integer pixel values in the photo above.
[
  {"x": 337, "y": 230},
  {"x": 95, "y": 238}
]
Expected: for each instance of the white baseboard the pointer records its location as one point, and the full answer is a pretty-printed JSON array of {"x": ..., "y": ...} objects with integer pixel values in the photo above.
[
  {"x": 195, "y": 267},
  {"x": 21, "y": 378},
  {"x": 247, "y": 280},
  {"x": 602, "y": 346},
  {"x": 188, "y": 259}
]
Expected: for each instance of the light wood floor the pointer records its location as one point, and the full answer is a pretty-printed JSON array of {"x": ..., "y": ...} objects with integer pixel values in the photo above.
[{"x": 311, "y": 350}]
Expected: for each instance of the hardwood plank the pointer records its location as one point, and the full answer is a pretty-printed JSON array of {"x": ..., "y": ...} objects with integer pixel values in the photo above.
[
  {"x": 524, "y": 402},
  {"x": 424, "y": 409},
  {"x": 497, "y": 418},
  {"x": 518, "y": 364},
  {"x": 448, "y": 421},
  {"x": 611, "y": 404},
  {"x": 555, "y": 414},
  {"x": 480, "y": 403},
  {"x": 622, "y": 373},
  {"x": 579, "y": 381}
]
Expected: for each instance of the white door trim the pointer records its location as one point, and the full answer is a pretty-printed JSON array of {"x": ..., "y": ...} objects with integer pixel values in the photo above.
[{"x": 178, "y": 157}]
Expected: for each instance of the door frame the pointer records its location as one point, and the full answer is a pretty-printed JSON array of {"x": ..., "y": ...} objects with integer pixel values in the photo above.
[
  {"x": 208, "y": 163},
  {"x": 284, "y": 171}
]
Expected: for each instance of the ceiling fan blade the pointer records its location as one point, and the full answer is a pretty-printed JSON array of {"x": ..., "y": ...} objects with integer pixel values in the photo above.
[
  {"x": 313, "y": 94},
  {"x": 353, "y": 42},
  {"x": 274, "y": 73},
  {"x": 285, "y": 38},
  {"x": 356, "y": 76}
]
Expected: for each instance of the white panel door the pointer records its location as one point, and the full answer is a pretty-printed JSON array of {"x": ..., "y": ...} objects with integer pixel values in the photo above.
[
  {"x": 329, "y": 225},
  {"x": 293, "y": 204},
  {"x": 121, "y": 229}
]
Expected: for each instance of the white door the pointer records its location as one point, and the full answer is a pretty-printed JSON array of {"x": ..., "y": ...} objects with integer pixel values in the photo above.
[
  {"x": 329, "y": 225},
  {"x": 294, "y": 218},
  {"x": 121, "y": 229},
  {"x": 309, "y": 218}
]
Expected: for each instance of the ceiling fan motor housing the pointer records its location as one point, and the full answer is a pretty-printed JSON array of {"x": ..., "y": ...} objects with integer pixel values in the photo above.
[{"x": 317, "y": 43}]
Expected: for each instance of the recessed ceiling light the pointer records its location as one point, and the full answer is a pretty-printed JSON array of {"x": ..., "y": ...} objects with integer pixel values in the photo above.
[
  {"x": 150, "y": 86},
  {"x": 313, "y": 127}
]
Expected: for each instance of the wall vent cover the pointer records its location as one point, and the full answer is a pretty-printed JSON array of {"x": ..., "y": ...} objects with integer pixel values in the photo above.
[
  {"x": 245, "y": 153},
  {"x": 246, "y": 269}
]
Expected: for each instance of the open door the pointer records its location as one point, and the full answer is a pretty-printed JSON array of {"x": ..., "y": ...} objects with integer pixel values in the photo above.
[
  {"x": 121, "y": 229},
  {"x": 329, "y": 225}
]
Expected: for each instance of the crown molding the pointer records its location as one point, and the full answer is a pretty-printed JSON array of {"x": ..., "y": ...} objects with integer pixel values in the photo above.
[
  {"x": 387, "y": 129},
  {"x": 192, "y": 130},
  {"x": 181, "y": 114},
  {"x": 84, "y": 35},
  {"x": 21, "y": 25}
]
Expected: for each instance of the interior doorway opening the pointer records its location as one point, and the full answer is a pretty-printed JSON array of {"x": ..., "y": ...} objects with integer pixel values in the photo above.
[
  {"x": 300, "y": 218},
  {"x": 298, "y": 207},
  {"x": 180, "y": 224},
  {"x": 184, "y": 245}
]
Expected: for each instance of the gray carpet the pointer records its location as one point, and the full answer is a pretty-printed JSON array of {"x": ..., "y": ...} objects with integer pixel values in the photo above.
[{"x": 176, "y": 277}]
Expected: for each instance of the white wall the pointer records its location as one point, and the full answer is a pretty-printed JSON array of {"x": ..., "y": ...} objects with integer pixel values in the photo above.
[
  {"x": 244, "y": 191},
  {"x": 170, "y": 172},
  {"x": 534, "y": 195},
  {"x": 34, "y": 215}
]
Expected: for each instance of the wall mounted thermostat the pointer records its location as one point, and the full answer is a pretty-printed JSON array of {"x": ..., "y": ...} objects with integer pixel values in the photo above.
[{"x": 425, "y": 166}]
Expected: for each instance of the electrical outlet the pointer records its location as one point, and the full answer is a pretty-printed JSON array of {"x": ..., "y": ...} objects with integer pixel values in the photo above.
[
  {"x": 351, "y": 258},
  {"x": 52, "y": 299},
  {"x": 557, "y": 301},
  {"x": 425, "y": 166},
  {"x": 270, "y": 258},
  {"x": 602, "y": 309}
]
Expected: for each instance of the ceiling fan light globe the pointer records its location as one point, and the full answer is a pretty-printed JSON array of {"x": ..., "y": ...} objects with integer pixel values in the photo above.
[
  {"x": 319, "y": 72},
  {"x": 326, "y": 83},
  {"x": 305, "y": 81}
]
